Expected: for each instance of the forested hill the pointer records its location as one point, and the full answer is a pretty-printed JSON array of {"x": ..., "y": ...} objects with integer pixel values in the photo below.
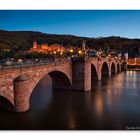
[{"x": 23, "y": 40}]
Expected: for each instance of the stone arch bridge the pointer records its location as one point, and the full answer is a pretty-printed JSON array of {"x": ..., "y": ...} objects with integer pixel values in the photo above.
[{"x": 17, "y": 83}]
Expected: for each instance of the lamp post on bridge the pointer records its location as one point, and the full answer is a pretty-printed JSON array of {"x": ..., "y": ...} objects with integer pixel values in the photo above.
[{"x": 99, "y": 54}]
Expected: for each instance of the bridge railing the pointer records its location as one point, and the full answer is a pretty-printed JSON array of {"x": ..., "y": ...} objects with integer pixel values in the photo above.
[
  {"x": 34, "y": 64},
  {"x": 103, "y": 59},
  {"x": 93, "y": 58}
]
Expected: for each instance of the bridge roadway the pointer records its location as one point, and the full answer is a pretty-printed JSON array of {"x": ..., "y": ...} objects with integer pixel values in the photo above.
[{"x": 18, "y": 82}]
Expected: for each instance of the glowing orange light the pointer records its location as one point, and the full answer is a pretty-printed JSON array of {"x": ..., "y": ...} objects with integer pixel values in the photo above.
[
  {"x": 79, "y": 51},
  {"x": 45, "y": 48},
  {"x": 71, "y": 50}
]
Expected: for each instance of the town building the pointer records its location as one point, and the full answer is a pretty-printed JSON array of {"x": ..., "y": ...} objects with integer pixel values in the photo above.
[{"x": 45, "y": 48}]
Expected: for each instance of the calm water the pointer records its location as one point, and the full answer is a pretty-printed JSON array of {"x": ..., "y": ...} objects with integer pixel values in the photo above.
[{"x": 114, "y": 103}]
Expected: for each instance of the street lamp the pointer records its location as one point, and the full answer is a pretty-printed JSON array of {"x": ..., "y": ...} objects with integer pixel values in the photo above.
[
  {"x": 79, "y": 52},
  {"x": 99, "y": 55},
  {"x": 71, "y": 50},
  {"x": 109, "y": 56}
]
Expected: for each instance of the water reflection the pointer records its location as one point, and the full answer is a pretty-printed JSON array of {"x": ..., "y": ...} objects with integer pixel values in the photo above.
[
  {"x": 71, "y": 120},
  {"x": 112, "y": 104}
]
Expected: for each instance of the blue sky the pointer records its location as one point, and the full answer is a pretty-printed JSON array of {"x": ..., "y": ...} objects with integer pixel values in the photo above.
[{"x": 90, "y": 23}]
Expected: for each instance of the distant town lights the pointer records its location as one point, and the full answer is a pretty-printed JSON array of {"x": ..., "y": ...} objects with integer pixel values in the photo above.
[
  {"x": 79, "y": 51},
  {"x": 71, "y": 50}
]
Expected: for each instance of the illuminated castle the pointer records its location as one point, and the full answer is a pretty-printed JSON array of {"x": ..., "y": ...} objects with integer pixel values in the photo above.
[
  {"x": 134, "y": 61},
  {"x": 45, "y": 48}
]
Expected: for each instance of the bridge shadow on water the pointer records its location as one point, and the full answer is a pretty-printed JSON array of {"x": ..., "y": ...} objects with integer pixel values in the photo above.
[{"x": 106, "y": 107}]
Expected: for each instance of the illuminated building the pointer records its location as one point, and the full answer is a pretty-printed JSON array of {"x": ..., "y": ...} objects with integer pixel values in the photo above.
[
  {"x": 133, "y": 61},
  {"x": 45, "y": 48}
]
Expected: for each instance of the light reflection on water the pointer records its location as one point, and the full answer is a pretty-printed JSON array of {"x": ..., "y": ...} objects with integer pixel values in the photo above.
[{"x": 112, "y": 104}]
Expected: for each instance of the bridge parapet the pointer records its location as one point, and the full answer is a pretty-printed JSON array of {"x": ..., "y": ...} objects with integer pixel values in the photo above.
[
  {"x": 93, "y": 58},
  {"x": 26, "y": 65}
]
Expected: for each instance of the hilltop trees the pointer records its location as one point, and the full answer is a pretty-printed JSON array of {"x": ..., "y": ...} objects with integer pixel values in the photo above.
[{"x": 23, "y": 40}]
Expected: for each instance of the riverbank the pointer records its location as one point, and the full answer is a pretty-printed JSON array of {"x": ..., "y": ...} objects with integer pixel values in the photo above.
[{"x": 133, "y": 67}]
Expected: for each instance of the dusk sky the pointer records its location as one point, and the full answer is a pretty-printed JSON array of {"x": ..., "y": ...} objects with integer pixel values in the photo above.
[{"x": 82, "y": 23}]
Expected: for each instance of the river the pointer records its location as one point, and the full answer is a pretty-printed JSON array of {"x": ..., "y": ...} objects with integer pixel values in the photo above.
[{"x": 113, "y": 104}]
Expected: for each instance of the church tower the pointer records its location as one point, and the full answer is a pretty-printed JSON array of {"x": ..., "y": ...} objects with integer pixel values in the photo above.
[
  {"x": 84, "y": 46},
  {"x": 35, "y": 45}
]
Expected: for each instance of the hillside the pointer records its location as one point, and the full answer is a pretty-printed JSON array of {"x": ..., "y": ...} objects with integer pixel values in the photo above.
[{"x": 23, "y": 40}]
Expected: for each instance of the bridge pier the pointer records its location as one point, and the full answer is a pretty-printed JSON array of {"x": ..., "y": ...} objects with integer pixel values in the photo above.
[
  {"x": 99, "y": 76},
  {"x": 115, "y": 68},
  {"x": 124, "y": 66},
  {"x": 120, "y": 69},
  {"x": 110, "y": 73},
  {"x": 81, "y": 74},
  {"x": 99, "y": 72},
  {"x": 21, "y": 99}
]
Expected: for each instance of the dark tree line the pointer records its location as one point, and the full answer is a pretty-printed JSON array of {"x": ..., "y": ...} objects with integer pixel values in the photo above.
[{"x": 23, "y": 40}]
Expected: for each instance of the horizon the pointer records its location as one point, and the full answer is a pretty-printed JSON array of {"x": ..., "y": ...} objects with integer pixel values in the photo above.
[
  {"x": 81, "y": 23},
  {"x": 68, "y": 34}
]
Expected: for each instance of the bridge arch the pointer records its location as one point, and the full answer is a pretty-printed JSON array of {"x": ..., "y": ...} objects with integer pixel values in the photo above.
[
  {"x": 113, "y": 69},
  {"x": 118, "y": 68},
  {"x": 60, "y": 79},
  {"x": 24, "y": 85},
  {"x": 104, "y": 70},
  {"x": 94, "y": 75},
  {"x": 6, "y": 104}
]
